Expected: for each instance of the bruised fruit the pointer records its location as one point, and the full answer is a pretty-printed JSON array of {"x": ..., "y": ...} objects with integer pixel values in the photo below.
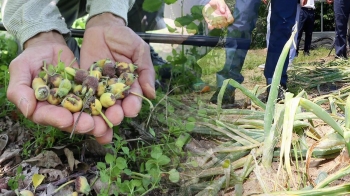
[
  {"x": 108, "y": 70},
  {"x": 123, "y": 67},
  {"x": 73, "y": 103},
  {"x": 129, "y": 78},
  {"x": 37, "y": 81},
  {"x": 53, "y": 98},
  {"x": 42, "y": 92},
  {"x": 117, "y": 89},
  {"x": 55, "y": 80},
  {"x": 107, "y": 100}
]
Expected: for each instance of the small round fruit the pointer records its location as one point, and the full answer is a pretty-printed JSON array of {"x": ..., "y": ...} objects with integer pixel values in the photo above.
[
  {"x": 42, "y": 92},
  {"x": 53, "y": 98},
  {"x": 107, "y": 100},
  {"x": 101, "y": 88},
  {"x": 72, "y": 102},
  {"x": 55, "y": 80},
  {"x": 129, "y": 78},
  {"x": 37, "y": 81}
]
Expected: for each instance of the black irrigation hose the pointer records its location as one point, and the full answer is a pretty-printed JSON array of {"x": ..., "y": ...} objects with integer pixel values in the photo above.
[{"x": 194, "y": 40}]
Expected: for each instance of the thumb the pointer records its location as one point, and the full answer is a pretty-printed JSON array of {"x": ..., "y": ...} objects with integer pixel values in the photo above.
[
  {"x": 222, "y": 8},
  {"x": 21, "y": 94}
]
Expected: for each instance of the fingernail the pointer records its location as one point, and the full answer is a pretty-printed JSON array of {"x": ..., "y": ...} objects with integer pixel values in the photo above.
[
  {"x": 133, "y": 116},
  {"x": 24, "y": 106},
  {"x": 100, "y": 135},
  {"x": 87, "y": 130}
]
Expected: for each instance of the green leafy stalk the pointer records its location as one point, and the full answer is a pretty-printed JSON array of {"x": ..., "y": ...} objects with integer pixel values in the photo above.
[
  {"x": 322, "y": 114},
  {"x": 347, "y": 124},
  {"x": 270, "y": 140}
]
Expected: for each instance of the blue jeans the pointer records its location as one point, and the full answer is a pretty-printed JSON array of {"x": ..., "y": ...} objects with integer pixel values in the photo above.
[
  {"x": 283, "y": 14},
  {"x": 238, "y": 40}
]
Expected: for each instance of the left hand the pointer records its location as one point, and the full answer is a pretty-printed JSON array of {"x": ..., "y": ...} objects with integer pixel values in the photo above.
[{"x": 106, "y": 36}]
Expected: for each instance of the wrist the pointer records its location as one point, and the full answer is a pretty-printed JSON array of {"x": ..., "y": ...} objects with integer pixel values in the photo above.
[
  {"x": 105, "y": 19},
  {"x": 45, "y": 38}
]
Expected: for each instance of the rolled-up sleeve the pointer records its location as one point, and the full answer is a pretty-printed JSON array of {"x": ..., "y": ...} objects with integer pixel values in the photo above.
[
  {"x": 26, "y": 18},
  {"x": 117, "y": 7}
]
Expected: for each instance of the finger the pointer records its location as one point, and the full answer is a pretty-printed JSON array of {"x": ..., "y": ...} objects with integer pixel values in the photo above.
[
  {"x": 115, "y": 113},
  {"x": 100, "y": 127},
  {"x": 222, "y": 8},
  {"x": 145, "y": 71},
  {"x": 19, "y": 90},
  {"x": 47, "y": 114},
  {"x": 132, "y": 104},
  {"x": 107, "y": 138},
  {"x": 84, "y": 123}
]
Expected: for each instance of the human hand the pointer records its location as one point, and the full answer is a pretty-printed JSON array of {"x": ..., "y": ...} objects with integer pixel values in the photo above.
[
  {"x": 264, "y": 1},
  {"x": 329, "y": 1},
  {"x": 217, "y": 14},
  {"x": 303, "y": 2},
  {"x": 106, "y": 36},
  {"x": 44, "y": 47}
]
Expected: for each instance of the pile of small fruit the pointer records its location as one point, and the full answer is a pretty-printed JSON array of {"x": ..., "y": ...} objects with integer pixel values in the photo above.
[{"x": 85, "y": 91}]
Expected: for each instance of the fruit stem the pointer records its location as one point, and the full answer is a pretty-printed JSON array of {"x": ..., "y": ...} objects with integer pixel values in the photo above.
[
  {"x": 105, "y": 118},
  {"x": 144, "y": 98}
]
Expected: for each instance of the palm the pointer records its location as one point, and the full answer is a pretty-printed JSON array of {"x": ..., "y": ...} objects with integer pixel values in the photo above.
[{"x": 27, "y": 66}]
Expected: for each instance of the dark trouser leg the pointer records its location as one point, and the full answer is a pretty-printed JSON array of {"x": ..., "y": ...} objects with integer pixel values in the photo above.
[
  {"x": 245, "y": 14},
  {"x": 282, "y": 20},
  {"x": 301, "y": 25},
  {"x": 341, "y": 14},
  {"x": 309, "y": 28}
]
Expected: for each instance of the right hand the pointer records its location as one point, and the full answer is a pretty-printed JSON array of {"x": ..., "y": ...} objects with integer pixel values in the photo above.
[
  {"x": 217, "y": 14},
  {"x": 44, "y": 46},
  {"x": 330, "y": 1}
]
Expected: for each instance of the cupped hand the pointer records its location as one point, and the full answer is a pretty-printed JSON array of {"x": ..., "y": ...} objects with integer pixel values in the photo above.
[
  {"x": 43, "y": 47},
  {"x": 106, "y": 36},
  {"x": 217, "y": 14}
]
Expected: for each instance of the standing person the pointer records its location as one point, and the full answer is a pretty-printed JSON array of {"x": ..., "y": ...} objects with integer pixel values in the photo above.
[
  {"x": 42, "y": 29},
  {"x": 306, "y": 24},
  {"x": 292, "y": 51},
  {"x": 283, "y": 13},
  {"x": 245, "y": 14},
  {"x": 341, "y": 14}
]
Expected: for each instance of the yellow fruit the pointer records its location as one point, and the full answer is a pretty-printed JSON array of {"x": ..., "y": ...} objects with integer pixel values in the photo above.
[
  {"x": 37, "y": 81},
  {"x": 53, "y": 98},
  {"x": 42, "y": 92},
  {"x": 72, "y": 102},
  {"x": 107, "y": 100}
]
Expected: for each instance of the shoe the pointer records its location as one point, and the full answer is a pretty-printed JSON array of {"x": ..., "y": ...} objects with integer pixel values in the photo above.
[
  {"x": 228, "y": 99},
  {"x": 164, "y": 68},
  {"x": 306, "y": 53},
  {"x": 282, "y": 89}
]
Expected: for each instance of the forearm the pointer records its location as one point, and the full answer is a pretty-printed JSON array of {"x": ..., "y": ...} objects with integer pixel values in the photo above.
[
  {"x": 118, "y": 8},
  {"x": 26, "y": 18}
]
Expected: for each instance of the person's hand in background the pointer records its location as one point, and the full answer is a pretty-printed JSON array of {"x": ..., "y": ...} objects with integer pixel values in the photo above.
[
  {"x": 217, "y": 14},
  {"x": 106, "y": 36}
]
